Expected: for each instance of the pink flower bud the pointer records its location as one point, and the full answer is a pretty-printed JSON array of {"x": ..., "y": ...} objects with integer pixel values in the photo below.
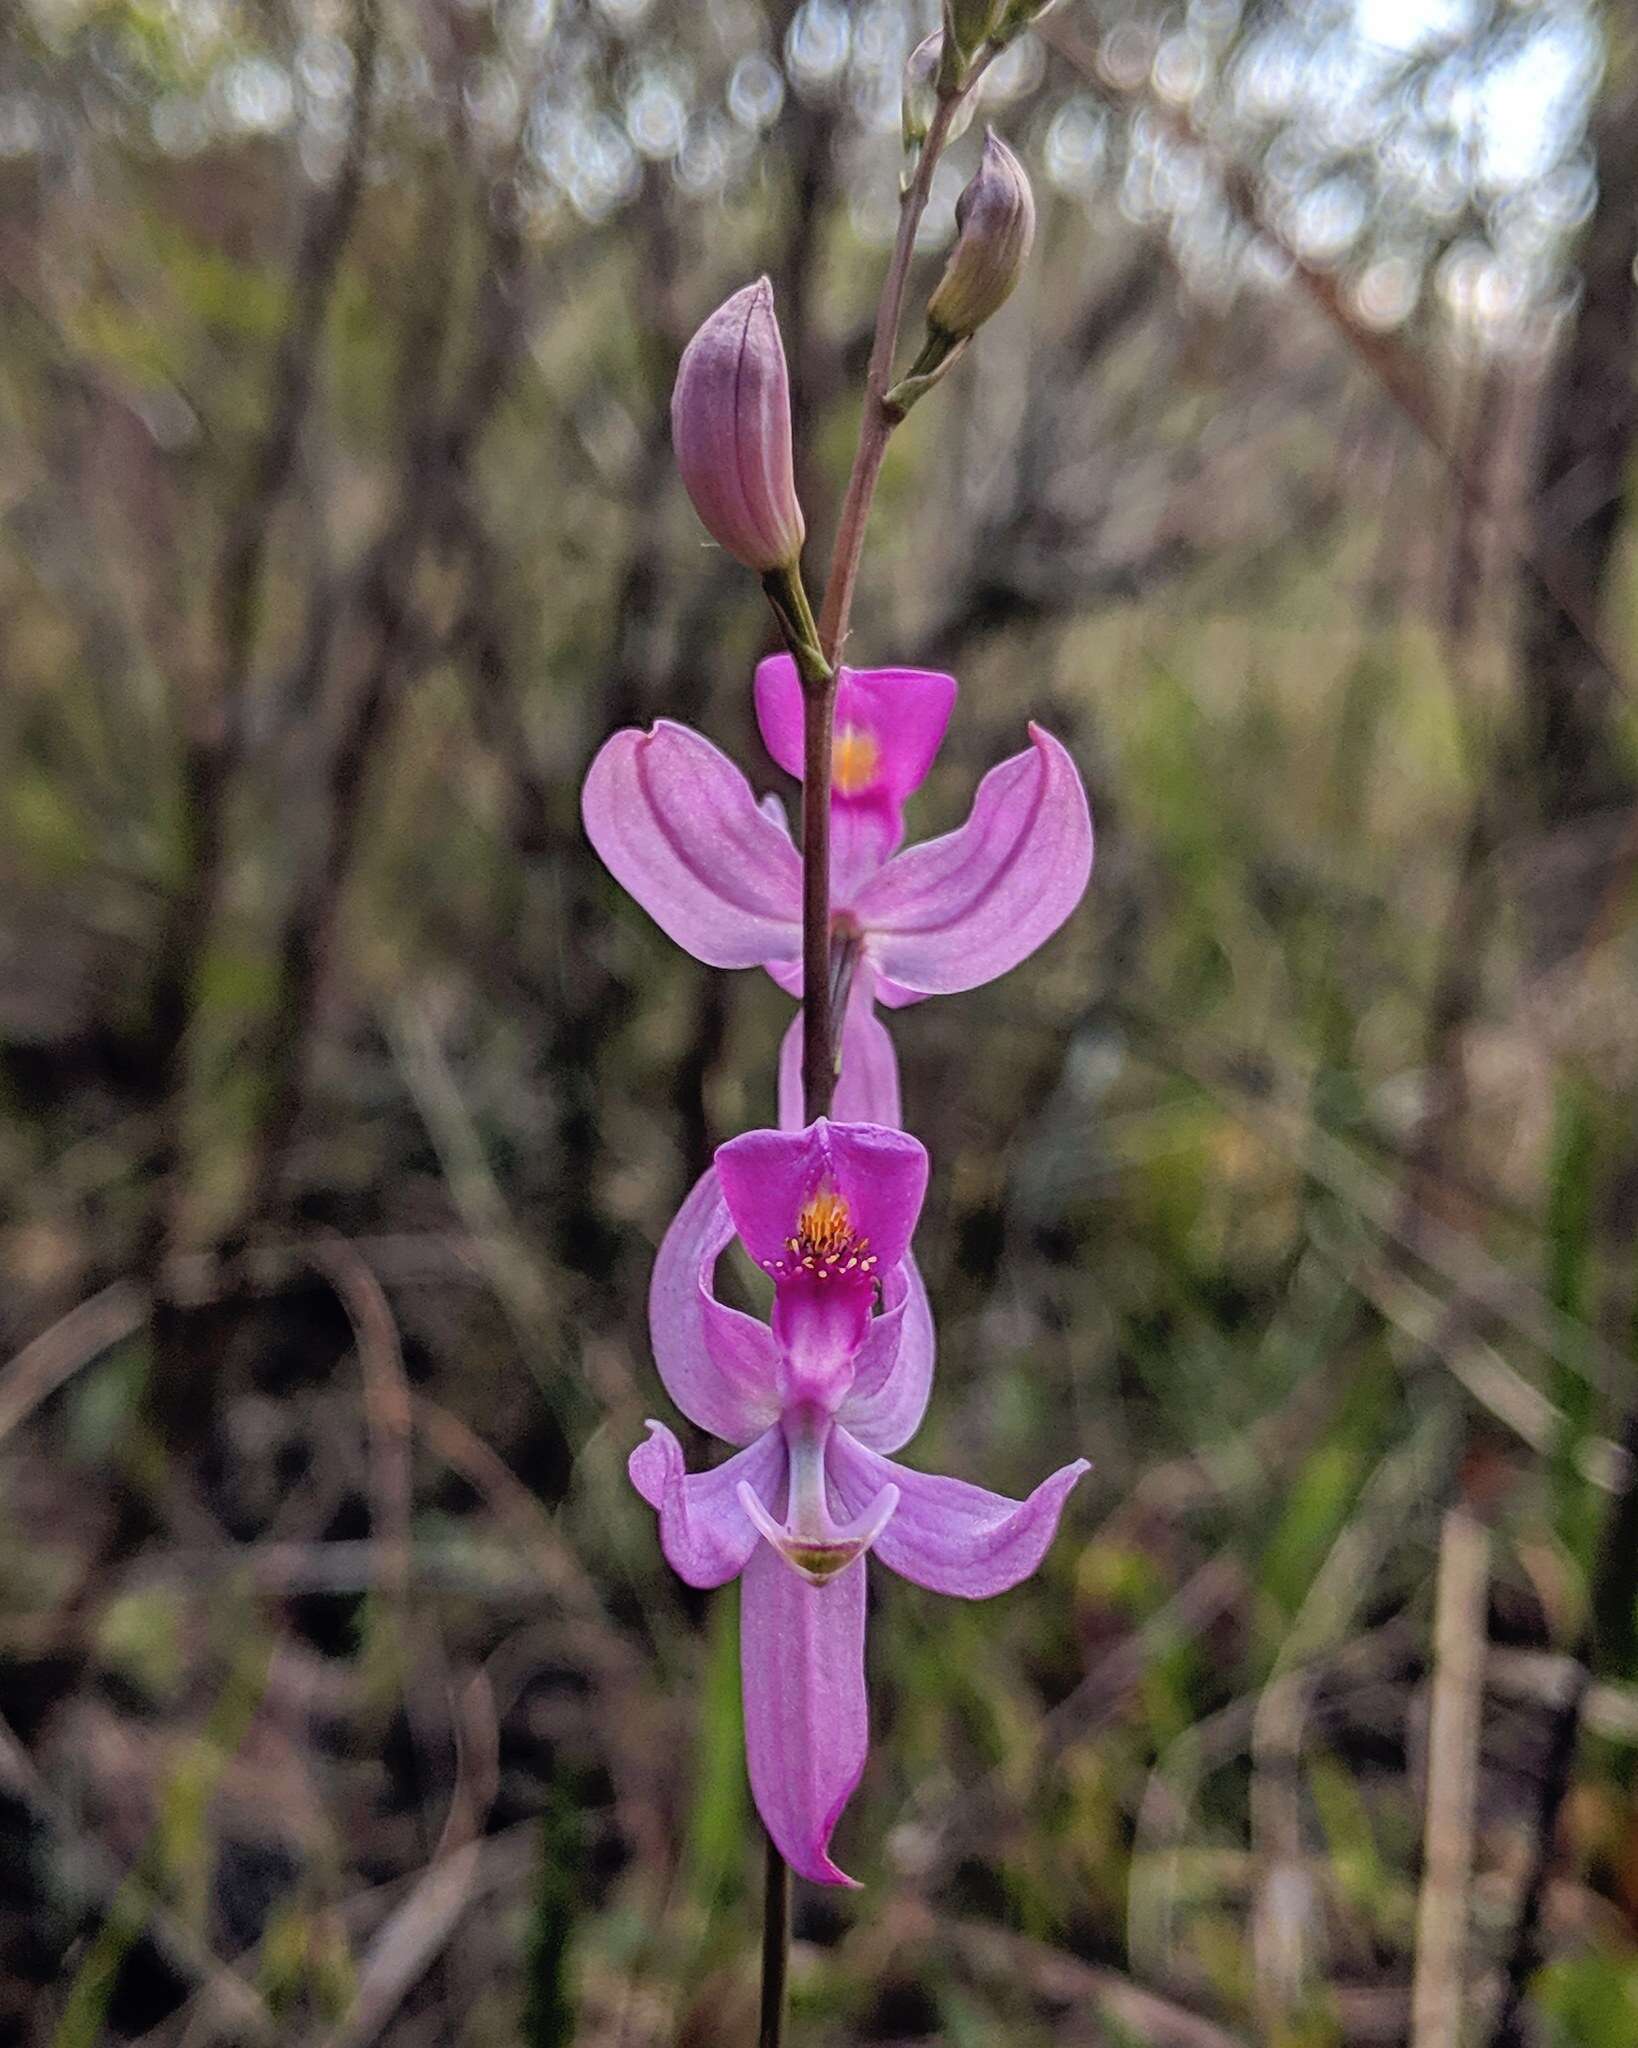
[
  {"x": 731, "y": 428},
  {"x": 996, "y": 218}
]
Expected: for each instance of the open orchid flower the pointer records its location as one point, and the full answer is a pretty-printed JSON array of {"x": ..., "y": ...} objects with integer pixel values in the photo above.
[
  {"x": 677, "y": 824},
  {"x": 816, "y": 1398}
]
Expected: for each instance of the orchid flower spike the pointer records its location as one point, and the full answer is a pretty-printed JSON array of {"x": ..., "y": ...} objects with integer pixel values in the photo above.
[
  {"x": 678, "y": 826},
  {"x": 816, "y": 1397},
  {"x": 731, "y": 429}
]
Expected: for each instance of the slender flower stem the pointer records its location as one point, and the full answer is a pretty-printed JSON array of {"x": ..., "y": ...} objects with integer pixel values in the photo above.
[
  {"x": 878, "y": 419},
  {"x": 819, "y": 1024},
  {"x": 776, "y": 1947},
  {"x": 815, "y": 651}
]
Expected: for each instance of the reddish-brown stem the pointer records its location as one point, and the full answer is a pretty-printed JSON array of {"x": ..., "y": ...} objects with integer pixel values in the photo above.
[
  {"x": 819, "y": 1027},
  {"x": 815, "y": 653},
  {"x": 877, "y": 421}
]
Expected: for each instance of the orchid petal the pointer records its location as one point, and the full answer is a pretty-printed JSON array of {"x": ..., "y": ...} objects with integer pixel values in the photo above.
[
  {"x": 718, "y": 1366},
  {"x": 879, "y": 1174},
  {"x": 947, "y": 1535},
  {"x": 677, "y": 825},
  {"x": 704, "y": 1530},
  {"x": 888, "y": 725},
  {"x": 893, "y": 1373},
  {"x": 954, "y": 912},
  {"x": 867, "y": 1089},
  {"x": 903, "y": 712},
  {"x": 807, "y": 1726},
  {"x": 864, "y": 836}
]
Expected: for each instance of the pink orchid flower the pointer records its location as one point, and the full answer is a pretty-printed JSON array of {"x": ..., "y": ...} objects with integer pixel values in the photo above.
[
  {"x": 677, "y": 825},
  {"x": 816, "y": 1397}
]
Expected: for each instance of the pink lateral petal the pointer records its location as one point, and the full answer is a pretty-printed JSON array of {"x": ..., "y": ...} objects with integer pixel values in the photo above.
[
  {"x": 807, "y": 1724},
  {"x": 952, "y": 913},
  {"x": 677, "y": 826},
  {"x": 947, "y": 1535},
  {"x": 893, "y": 1373},
  {"x": 864, "y": 836},
  {"x": 718, "y": 1375},
  {"x": 704, "y": 1531}
]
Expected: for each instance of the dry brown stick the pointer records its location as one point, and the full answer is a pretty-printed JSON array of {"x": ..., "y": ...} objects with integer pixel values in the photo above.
[
  {"x": 1400, "y": 376},
  {"x": 1455, "y": 1255},
  {"x": 50, "y": 1360},
  {"x": 1068, "y": 1981},
  {"x": 1207, "y": 1594},
  {"x": 216, "y": 726},
  {"x": 195, "y": 1280},
  {"x": 1438, "y": 1992},
  {"x": 440, "y": 444},
  {"x": 224, "y": 1990},
  {"x": 411, "y": 1939},
  {"x": 386, "y": 1411}
]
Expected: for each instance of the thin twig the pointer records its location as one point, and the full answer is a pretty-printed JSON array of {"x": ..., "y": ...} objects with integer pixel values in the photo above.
[
  {"x": 1438, "y": 1994},
  {"x": 877, "y": 421}
]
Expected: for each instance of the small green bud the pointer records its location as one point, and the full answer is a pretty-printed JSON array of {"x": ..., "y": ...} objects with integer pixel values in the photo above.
[
  {"x": 920, "y": 101},
  {"x": 969, "y": 24},
  {"x": 1014, "y": 17},
  {"x": 995, "y": 217}
]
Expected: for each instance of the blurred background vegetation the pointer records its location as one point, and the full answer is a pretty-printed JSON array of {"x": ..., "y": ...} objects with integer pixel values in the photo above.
[{"x": 343, "y": 1098}]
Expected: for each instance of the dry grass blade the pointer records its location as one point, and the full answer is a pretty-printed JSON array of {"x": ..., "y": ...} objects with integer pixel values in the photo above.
[{"x": 405, "y": 1946}]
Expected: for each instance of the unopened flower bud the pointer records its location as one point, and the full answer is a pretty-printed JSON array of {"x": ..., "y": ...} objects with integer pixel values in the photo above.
[
  {"x": 969, "y": 23},
  {"x": 920, "y": 102},
  {"x": 731, "y": 429},
  {"x": 996, "y": 219}
]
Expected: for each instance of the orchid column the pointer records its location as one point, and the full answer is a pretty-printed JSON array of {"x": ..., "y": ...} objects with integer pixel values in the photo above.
[{"x": 840, "y": 1375}]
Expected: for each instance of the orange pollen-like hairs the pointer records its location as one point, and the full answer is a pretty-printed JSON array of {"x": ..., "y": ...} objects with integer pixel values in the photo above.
[
  {"x": 854, "y": 759},
  {"x": 824, "y": 1244}
]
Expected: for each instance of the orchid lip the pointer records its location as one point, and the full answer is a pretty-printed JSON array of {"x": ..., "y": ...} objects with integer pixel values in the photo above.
[{"x": 820, "y": 1559}]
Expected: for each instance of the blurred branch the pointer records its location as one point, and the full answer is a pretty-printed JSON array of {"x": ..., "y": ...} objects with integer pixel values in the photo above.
[
  {"x": 1439, "y": 1993},
  {"x": 437, "y": 457},
  {"x": 413, "y": 1935},
  {"x": 225, "y": 1994},
  {"x": 215, "y": 721},
  {"x": 1394, "y": 368}
]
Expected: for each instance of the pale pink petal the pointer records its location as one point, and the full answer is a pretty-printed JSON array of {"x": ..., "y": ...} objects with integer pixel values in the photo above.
[
  {"x": 863, "y": 838},
  {"x": 867, "y": 1090},
  {"x": 888, "y": 993},
  {"x": 954, "y": 912},
  {"x": 768, "y": 1176},
  {"x": 807, "y": 1728},
  {"x": 719, "y": 1374},
  {"x": 704, "y": 1531},
  {"x": 947, "y": 1535},
  {"x": 677, "y": 825},
  {"x": 893, "y": 1372}
]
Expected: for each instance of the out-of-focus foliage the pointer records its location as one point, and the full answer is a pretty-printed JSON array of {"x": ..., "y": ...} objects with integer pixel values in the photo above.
[{"x": 343, "y": 1098}]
